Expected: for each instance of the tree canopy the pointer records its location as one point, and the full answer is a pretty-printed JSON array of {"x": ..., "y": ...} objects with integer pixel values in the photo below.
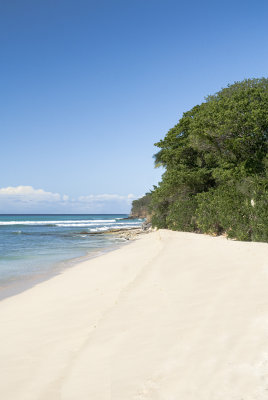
[{"x": 216, "y": 166}]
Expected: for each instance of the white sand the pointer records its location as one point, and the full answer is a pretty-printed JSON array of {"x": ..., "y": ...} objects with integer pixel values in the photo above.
[{"x": 172, "y": 316}]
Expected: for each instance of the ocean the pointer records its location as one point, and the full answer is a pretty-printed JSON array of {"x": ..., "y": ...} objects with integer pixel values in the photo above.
[{"x": 32, "y": 247}]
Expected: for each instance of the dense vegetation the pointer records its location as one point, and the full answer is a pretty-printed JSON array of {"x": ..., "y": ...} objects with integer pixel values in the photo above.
[
  {"x": 216, "y": 166},
  {"x": 140, "y": 207}
]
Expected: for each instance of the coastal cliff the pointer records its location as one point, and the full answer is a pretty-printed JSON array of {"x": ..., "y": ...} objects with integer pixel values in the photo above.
[{"x": 141, "y": 207}]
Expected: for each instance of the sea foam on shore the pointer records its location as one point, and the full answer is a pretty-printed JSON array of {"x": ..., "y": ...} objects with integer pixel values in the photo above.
[{"x": 34, "y": 246}]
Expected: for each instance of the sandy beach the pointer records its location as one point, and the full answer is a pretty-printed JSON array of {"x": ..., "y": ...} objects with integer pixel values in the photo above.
[{"x": 170, "y": 316}]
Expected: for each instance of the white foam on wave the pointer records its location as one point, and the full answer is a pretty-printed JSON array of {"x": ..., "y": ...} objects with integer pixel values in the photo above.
[
  {"x": 128, "y": 223},
  {"x": 74, "y": 225},
  {"x": 110, "y": 225},
  {"x": 106, "y": 228}
]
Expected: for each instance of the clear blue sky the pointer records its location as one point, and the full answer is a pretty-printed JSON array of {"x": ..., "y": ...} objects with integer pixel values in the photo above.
[{"x": 87, "y": 88}]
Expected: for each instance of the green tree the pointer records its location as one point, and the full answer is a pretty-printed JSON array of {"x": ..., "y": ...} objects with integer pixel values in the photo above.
[
  {"x": 140, "y": 207},
  {"x": 215, "y": 162}
]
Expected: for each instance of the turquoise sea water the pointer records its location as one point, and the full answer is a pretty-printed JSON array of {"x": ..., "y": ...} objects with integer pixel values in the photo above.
[{"x": 32, "y": 246}]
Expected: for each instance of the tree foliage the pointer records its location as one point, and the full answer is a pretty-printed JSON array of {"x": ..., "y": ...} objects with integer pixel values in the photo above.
[
  {"x": 140, "y": 207},
  {"x": 216, "y": 166}
]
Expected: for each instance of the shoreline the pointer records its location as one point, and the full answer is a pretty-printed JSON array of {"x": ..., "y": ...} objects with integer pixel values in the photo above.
[
  {"x": 16, "y": 286},
  {"x": 20, "y": 285},
  {"x": 171, "y": 315}
]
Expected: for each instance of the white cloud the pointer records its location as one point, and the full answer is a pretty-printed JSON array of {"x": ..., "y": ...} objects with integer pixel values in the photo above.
[
  {"x": 21, "y": 199},
  {"x": 28, "y": 193}
]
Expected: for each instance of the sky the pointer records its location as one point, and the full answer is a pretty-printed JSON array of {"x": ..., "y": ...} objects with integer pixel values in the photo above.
[{"x": 88, "y": 87}]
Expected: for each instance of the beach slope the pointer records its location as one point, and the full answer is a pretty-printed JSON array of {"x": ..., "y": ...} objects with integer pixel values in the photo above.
[{"x": 170, "y": 316}]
